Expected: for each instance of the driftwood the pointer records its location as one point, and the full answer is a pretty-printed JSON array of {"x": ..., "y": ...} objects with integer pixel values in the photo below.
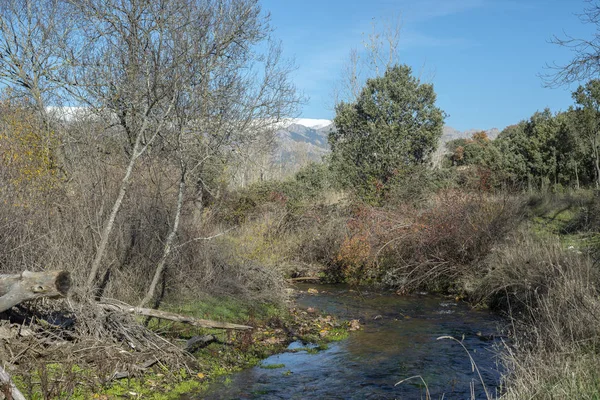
[
  {"x": 148, "y": 312},
  {"x": 193, "y": 344},
  {"x": 8, "y": 388},
  {"x": 17, "y": 288}
]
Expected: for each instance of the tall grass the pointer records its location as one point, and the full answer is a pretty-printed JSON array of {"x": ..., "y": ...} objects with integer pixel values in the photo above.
[{"x": 551, "y": 296}]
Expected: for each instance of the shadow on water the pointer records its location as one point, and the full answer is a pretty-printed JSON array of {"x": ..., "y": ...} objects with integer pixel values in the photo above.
[{"x": 397, "y": 341}]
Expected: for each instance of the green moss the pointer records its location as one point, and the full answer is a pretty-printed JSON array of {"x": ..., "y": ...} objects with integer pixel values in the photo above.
[
  {"x": 152, "y": 386},
  {"x": 272, "y": 366},
  {"x": 337, "y": 334},
  {"x": 225, "y": 309}
]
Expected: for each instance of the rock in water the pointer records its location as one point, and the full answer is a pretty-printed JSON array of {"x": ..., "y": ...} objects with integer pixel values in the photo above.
[{"x": 354, "y": 325}]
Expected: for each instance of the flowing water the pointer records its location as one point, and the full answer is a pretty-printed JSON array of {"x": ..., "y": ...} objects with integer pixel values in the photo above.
[{"x": 398, "y": 340}]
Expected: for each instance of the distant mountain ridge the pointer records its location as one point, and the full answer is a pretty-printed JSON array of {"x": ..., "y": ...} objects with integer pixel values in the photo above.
[
  {"x": 302, "y": 133},
  {"x": 314, "y": 133},
  {"x": 449, "y": 133}
]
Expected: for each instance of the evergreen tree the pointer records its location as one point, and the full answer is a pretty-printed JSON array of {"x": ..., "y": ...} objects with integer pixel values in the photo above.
[{"x": 392, "y": 126}]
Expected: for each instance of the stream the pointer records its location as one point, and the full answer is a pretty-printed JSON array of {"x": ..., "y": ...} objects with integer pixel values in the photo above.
[{"x": 397, "y": 340}]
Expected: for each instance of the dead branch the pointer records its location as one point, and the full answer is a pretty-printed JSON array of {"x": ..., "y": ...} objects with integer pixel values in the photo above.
[
  {"x": 122, "y": 375},
  {"x": 148, "y": 312},
  {"x": 8, "y": 388}
]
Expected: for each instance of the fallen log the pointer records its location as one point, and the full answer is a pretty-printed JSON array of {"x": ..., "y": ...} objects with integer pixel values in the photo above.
[
  {"x": 8, "y": 388},
  {"x": 197, "y": 342},
  {"x": 17, "y": 288},
  {"x": 149, "y": 312}
]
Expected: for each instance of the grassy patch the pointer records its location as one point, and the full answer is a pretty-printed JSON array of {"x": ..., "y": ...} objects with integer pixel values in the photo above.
[{"x": 45, "y": 382}]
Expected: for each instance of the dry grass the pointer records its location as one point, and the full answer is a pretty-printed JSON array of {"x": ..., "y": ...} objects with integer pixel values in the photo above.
[
  {"x": 536, "y": 374},
  {"x": 551, "y": 296}
]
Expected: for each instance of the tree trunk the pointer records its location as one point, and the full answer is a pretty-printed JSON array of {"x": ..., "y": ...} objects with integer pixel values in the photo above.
[
  {"x": 160, "y": 268},
  {"x": 113, "y": 214},
  {"x": 137, "y": 151},
  {"x": 15, "y": 289}
]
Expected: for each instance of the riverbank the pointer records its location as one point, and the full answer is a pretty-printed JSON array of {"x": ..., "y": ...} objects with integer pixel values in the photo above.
[
  {"x": 217, "y": 353},
  {"x": 532, "y": 258},
  {"x": 528, "y": 258}
]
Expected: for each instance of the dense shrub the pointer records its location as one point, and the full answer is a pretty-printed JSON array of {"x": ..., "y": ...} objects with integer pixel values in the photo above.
[
  {"x": 432, "y": 246},
  {"x": 417, "y": 184}
]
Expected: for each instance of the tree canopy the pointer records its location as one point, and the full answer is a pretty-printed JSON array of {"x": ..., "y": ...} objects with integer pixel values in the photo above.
[{"x": 393, "y": 125}]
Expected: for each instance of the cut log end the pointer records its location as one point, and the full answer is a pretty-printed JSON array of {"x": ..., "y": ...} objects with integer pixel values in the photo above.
[
  {"x": 15, "y": 289},
  {"x": 63, "y": 283}
]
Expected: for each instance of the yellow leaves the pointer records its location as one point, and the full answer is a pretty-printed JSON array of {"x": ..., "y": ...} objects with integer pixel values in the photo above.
[
  {"x": 200, "y": 375},
  {"x": 26, "y": 153}
]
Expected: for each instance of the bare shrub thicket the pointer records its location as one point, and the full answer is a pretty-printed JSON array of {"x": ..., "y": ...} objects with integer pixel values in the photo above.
[
  {"x": 168, "y": 97},
  {"x": 59, "y": 227},
  {"x": 437, "y": 244},
  {"x": 434, "y": 245}
]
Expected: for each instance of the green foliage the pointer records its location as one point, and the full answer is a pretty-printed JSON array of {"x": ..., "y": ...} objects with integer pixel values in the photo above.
[
  {"x": 414, "y": 185},
  {"x": 543, "y": 152},
  {"x": 312, "y": 180},
  {"x": 394, "y": 124},
  {"x": 471, "y": 151},
  {"x": 546, "y": 151},
  {"x": 272, "y": 366},
  {"x": 587, "y": 122}
]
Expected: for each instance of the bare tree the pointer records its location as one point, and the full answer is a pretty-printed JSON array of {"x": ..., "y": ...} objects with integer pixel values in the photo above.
[
  {"x": 31, "y": 32},
  {"x": 236, "y": 96},
  {"x": 125, "y": 74},
  {"x": 380, "y": 50},
  {"x": 203, "y": 77},
  {"x": 585, "y": 63},
  {"x": 225, "y": 116}
]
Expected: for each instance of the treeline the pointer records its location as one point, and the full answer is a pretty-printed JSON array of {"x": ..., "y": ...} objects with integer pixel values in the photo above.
[{"x": 547, "y": 151}]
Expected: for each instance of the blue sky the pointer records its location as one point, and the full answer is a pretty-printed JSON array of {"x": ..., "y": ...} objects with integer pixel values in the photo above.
[{"x": 483, "y": 56}]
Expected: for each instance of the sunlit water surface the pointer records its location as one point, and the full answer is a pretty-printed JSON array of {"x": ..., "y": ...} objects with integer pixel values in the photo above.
[{"x": 398, "y": 340}]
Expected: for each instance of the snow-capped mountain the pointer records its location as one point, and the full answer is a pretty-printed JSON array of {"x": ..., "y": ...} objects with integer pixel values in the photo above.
[{"x": 313, "y": 123}]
